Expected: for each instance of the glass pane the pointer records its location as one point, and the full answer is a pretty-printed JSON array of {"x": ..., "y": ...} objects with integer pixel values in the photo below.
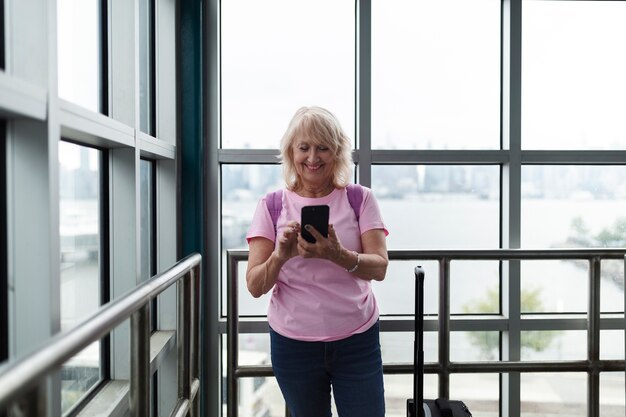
[
  {"x": 267, "y": 76},
  {"x": 260, "y": 394},
  {"x": 79, "y": 181},
  {"x": 398, "y": 388},
  {"x": 146, "y": 65},
  {"x": 562, "y": 394},
  {"x": 480, "y": 392},
  {"x": 554, "y": 286},
  {"x": 612, "y": 402},
  {"x": 242, "y": 188},
  {"x": 612, "y": 287},
  {"x": 436, "y": 74},
  {"x": 612, "y": 344},
  {"x": 146, "y": 186},
  {"x": 474, "y": 346},
  {"x": 578, "y": 206},
  {"x": 573, "y": 86},
  {"x": 397, "y": 347},
  {"x": 396, "y": 294},
  {"x": 254, "y": 349},
  {"x": 554, "y": 345},
  {"x": 426, "y": 206},
  {"x": 248, "y": 305},
  {"x": 475, "y": 287},
  {"x": 79, "y": 50}
]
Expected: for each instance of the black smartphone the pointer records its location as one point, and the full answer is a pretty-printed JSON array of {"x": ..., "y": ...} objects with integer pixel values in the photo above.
[{"x": 316, "y": 216}]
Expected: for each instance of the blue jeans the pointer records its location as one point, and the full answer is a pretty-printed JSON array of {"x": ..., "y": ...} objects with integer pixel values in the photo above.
[{"x": 305, "y": 372}]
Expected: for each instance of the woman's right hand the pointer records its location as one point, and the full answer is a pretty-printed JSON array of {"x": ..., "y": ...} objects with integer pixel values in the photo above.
[{"x": 287, "y": 246}]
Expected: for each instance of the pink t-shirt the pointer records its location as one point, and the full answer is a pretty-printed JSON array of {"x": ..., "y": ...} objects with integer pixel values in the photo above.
[{"x": 316, "y": 299}]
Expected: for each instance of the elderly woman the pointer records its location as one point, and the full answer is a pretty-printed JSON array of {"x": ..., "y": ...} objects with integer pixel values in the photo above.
[{"x": 323, "y": 316}]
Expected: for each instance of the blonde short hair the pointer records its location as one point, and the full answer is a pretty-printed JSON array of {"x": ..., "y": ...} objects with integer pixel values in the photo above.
[{"x": 321, "y": 127}]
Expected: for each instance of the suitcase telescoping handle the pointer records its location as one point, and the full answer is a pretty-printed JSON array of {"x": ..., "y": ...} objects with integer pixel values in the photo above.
[{"x": 415, "y": 408}]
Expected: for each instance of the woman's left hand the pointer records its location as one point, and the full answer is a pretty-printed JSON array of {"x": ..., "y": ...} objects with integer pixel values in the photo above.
[{"x": 327, "y": 248}]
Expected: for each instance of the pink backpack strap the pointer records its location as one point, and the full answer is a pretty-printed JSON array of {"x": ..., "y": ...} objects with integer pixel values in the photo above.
[
  {"x": 274, "y": 202},
  {"x": 355, "y": 197}
]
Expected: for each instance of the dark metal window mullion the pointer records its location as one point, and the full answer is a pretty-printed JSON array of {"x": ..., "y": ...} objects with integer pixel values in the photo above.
[
  {"x": 153, "y": 236},
  {"x": 2, "y": 38},
  {"x": 105, "y": 272},
  {"x": 363, "y": 99},
  {"x": 153, "y": 270},
  {"x": 152, "y": 70},
  {"x": 104, "y": 57}
]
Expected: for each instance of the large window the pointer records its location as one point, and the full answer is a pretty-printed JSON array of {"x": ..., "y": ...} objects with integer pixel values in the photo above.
[
  {"x": 82, "y": 261},
  {"x": 79, "y": 191},
  {"x": 80, "y": 63},
  {"x": 464, "y": 115}
]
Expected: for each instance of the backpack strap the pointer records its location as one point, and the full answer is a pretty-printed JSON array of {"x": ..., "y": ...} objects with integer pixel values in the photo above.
[
  {"x": 274, "y": 201},
  {"x": 355, "y": 197}
]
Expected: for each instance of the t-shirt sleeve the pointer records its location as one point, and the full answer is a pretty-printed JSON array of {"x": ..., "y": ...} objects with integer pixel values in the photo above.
[
  {"x": 262, "y": 225},
  {"x": 370, "y": 216}
]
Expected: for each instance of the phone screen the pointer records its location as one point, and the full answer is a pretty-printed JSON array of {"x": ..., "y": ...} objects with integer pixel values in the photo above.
[{"x": 316, "y": 216}]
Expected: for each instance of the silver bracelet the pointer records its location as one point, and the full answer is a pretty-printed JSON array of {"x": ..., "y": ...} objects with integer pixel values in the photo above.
[{"x": 357, "y": 263}]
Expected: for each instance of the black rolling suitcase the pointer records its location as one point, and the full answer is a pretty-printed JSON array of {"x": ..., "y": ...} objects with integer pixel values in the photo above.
[{"x": 440, "y": 407}]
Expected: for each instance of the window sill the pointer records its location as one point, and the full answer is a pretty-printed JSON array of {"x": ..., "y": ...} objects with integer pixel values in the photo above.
[{"x": 112, "y": 399}]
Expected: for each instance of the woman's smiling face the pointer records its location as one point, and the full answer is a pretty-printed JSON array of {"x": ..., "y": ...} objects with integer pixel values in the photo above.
[{"x": 314, "y": 162}]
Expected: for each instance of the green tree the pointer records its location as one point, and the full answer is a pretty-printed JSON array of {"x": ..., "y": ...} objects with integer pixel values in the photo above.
[
  {"x": 612, "y": 237},
  {"x": 488, "y": 342}
]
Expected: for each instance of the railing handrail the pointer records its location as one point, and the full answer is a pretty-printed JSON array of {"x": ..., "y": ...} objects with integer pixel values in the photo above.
[
  {"x": 19, "y": 376},
  {"x": 487, "y": 254}
]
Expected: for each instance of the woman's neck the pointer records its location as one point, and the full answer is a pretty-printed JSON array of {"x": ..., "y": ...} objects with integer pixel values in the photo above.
[{"x": 314, "y": 191}]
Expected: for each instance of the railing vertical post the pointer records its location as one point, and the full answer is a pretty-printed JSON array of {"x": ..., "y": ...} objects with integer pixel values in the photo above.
[
  {"x": 233, "y": 337},
  {"x": 194, "y": 283},
  {"x": 32, "y": 403},
  {"x": 624, "y": 322},
  {"x": 184, "y": 316},
  {"x": 593, "y": 338},
  {"x": 140, "y": 362},
  {"x": 444, "y": 327}
]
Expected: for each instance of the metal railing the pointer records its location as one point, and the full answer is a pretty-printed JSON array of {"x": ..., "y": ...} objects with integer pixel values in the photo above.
[
  {"x": 593, "y": 365},
  {"x": 23, "y": 382}
]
